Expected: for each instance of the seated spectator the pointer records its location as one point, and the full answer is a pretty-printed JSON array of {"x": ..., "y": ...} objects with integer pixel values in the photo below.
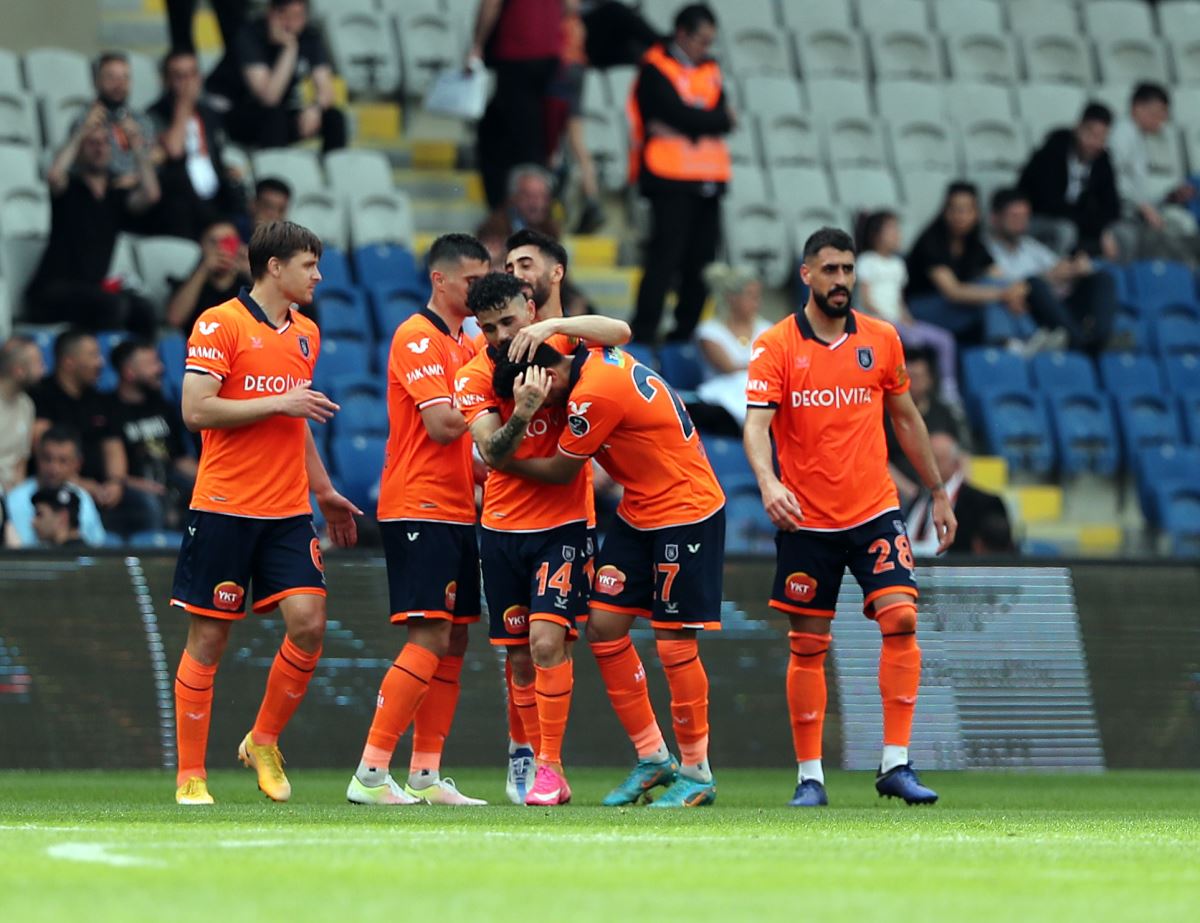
[
  {"x": 882, "y": 276},
  {"x": 59, "y": 457},
  {"x": 272, "y": 197},
  {"x": 197, "y": 186},
  {"x": 1155, "y": 228},
  {"x": 217, "y": 277},
  {"x": 56, "y": 518},
  {"x": 983, "y": 525},
  {"x": 20, "y": 367},
  {"x": 259, "y": 78},
  {"x": 1064, "y": 294},
  {"x": 1072, "y": 187},
  {"x": 71, "y": 284},
  {"x": 950, "y": 272},
  {"x": 726, "y": 342},
  {"x": 529, "y": 205},
  {"x": 126, "y": 126},
  {"x": 940, "y": 416},
  {"x": 69, "y": 398}
]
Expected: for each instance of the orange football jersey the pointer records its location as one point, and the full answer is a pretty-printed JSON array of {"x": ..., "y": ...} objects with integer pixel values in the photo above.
[
  {"x": 828, "y": 424},
  {"x": 256, "y": 470},
  {"x": 421, "y": 479},
  {"x": 624, "y": 414},
  {"x": 511, "y": 503}
]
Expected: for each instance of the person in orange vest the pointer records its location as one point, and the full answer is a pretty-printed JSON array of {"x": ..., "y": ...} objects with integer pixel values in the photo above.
[{"x": 678, "y": 112}]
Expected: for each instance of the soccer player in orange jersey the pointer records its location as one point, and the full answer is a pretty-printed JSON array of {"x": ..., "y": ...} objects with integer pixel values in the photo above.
[
  {"x": 819, "y": 382},
  {"x": 427, "y": 520},
  {"x": 250, "y": 363},
  {"x": 535, "y": 547},
  {"x": 663, "y": 557}
]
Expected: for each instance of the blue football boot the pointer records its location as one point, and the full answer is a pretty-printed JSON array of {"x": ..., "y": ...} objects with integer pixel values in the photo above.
[
  {"x": 809, "y": 794},
  {"x": 687, "y": 793},
  {"x": 646, "y": 775},
  {"x": 903, "y": 782}
]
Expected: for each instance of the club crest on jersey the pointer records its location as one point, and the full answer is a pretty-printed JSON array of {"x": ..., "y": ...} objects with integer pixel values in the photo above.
[
  {"x": 568, "y": 552},
  {"x": 303, "y": 341},
  {"x": 866, "y": 358},
  {"x": 671, "y": 552}
]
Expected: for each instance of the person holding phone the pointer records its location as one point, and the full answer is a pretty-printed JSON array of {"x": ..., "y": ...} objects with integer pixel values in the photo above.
[
  {"x": 127, "y": 128},
  {"x": 218, "y": 276}
]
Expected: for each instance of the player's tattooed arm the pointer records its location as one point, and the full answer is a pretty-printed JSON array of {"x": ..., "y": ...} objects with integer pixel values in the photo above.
[{"x": 498, "y": 446}]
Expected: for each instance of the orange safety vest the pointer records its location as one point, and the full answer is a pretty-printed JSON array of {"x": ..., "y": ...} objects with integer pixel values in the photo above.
[{"x": 703, "y": 161}]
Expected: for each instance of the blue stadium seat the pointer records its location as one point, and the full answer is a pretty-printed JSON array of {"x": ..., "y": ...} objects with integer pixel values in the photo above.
[
  {"x": 383, "y": 353},
  {"x": 1176, "y": 333},
  {"x": 748, "y": 530},
  {"x": 1085, "y": 434},
  {"x": 1129, "y": 373},
  {"x": 729, "y": 463},
  {"x": 1014, "y": 421},
  {"x": 1120, "y": 277},
  {"x": 342, "y": 387},
  {"x": 1146, "y": 420},
  {"x": 1162, "y": 467},
  {"x": 988, "y": 369},
  {"x": 642, "y": 353},
  {"x": 681, "y": 366},
  {"x": 361, "y": 414},
  {"x": 391, "y": 306},
  {"x": 358, "y": 462},
  {"x": 1181, "y": 520},
  {"x": 335, "y": 269},
  {"x": 1000, "y": 325},
  {"x": 340, "y": 357},
  {"x": 342, "y": 313},
  {"x": 390, "y": 265},
  {"x": 1181, "y": 371},
  {"x": 108, "y": 339},
  {"x": 1064, "y": 373},
  {"x": 1158, "y": 283},
  {"x": 156, "y": 539},
  {"x": 1131, "y": 329},
  {"x": 1189, "y": 413},
  {"x": 172, "y": 351}
]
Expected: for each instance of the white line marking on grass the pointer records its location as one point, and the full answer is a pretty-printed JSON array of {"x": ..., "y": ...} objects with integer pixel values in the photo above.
[{"x": 96, "y": 852}]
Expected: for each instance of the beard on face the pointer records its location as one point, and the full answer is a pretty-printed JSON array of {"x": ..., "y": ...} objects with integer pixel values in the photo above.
[
  {"x": 540, "y": 292},
  {"x": 831, "y": 310}
]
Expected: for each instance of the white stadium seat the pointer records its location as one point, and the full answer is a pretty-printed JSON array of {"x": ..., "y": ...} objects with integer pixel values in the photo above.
[
  {"x": 904, "y": 54},
  {"x": 830, "y": 51},
  {"x": 1132, "y": 59},
  {"x": 960, "y": 17},
  {"x": 354, "y": 171},
  {"x": 992, "y": 145},
  {"x": 58, "y": 73},
  {"x": 790, "y": 140},
  {"x": 756, "y": 50},
  {"x": 1042, "y": 17},
  {"x": 297, "y": 167},
  {"x": 982, "y": 56},
  {"x": 18, "y": 118},
  {"x": 817, "y": 15},
  {"x": 145, "y": 82},
  {"x": 968, "y": 101},
  {"x": 604, "y": 137},
  {"x": 854, "y": 140},
  {"x": 924, "y": 192},
  {"x": 10, "y": 72},
  {"x": 1186, "y": 55},
  {"x": 910, "y": 99},
  {"x": 1056, "y": 59},
  {"x": 922, "y": 144},
  {"x": 743, "y": 141},
  {"x": 59, "y": 114},
  {"x": 1047, "y": 106},
  {"x": 879, "y": 15},
  {"x": 758, "y": 237},
  {"x": 775, "y": 95},
  {"x": 832, "y": 97},
  {"x": 363, "y": 51},
  {"x": 321, "y": 213},
  {"x": 1117, "y": 18},
  {"x": 798, "y": 189},
  {"x": 162, "y": 259},
  {"x": 860, "y": 188},
  {"x": 25, "y": 212},
  {"x": 381, "y": 218},
  {"x": 748, "y": 185},
  {"x": 1179, "y": 19}
]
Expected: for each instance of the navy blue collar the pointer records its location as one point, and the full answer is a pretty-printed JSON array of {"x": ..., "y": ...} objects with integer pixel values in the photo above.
[
  {"x": 256, "y": 310},
  {"x": 435, "y": 320},
  {"x": 578, "y": 358},
  {"x": 808, "y": 333}
]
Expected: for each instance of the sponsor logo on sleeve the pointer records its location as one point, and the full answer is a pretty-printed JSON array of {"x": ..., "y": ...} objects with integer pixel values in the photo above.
[
  {"x": 756, "y": 352},
  {"x": 756, "y": 384},
  {"x": 206, "y": 352},
  {"x": 425, "y": 371},
  {"x": 419, "y": 347},
  {"x": 208, "y": 327}
]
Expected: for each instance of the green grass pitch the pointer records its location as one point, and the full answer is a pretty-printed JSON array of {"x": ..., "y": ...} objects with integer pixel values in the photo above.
[{"x": 1014, "y": 847}]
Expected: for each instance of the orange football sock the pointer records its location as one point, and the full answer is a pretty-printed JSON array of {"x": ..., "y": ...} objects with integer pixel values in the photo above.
[
  {"x": 286, "y": 684},
  {"x": 899, "y": 671},
  {"x": 625, "y": 680},
  {"x": 553, "y": 690},
  {"x": 689, "y": 698},
  {"x": 400, "y": 694},
  {"x": 527, "y": 711},
  {"x": 806, "y": 692},
  {"x": 516, "y": 727},
  {"x": 193, "y": 712},
  {"x": 431, "y": 725}
]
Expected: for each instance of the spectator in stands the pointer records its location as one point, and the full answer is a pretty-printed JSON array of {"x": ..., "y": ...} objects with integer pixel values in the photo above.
[
  {"x": 125, "y": 125},
  {"x": 151, "y": 429},
  {"x": 272, "y": 196},
  {"x": 197, "y": 186},
  {"x": 951, "y": 274},
  {"x": 940, "y": 416},
  {"x": 231, "y": 14},
  {"x": 1071, "y": 184},
  {"x": 521, "y": 42},
  {"x": 71, "y": 284},
  {"x": 8, "y": 535},
  {"x": 217, "y": 277},
  {"x": 1155, "y": 227},
  {"x": 20, "y": 367},
  {"x": 260, "y": 78},
  {"x": 726, "y": 342},
  {"x": 59, "y": 457},
  {"x": 882, "y": 276},
  {"x": 617, "y": 34},
  {"x": 677, "y": 119},
  {"x": 982, "y": 518},
  {"x": 56, "y": 518},
  {"x": 1064, "y": 294},
  {"x": 69, "y": 398},
  {"x": 529, "y": 205}
]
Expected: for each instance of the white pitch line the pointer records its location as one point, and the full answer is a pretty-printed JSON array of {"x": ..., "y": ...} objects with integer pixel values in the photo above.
[{"x": 97, "y": 852}]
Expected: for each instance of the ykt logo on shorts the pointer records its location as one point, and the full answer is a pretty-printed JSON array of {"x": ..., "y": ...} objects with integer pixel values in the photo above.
[
  {"x": 314, "y": 550},
  {"x": 451, "y": 595},
  {"x": 800, "y": 587},
  {"x": 228, "y": 596},
  {"x": 610, "y": 581},
  {"x": 516, "y": 619}
]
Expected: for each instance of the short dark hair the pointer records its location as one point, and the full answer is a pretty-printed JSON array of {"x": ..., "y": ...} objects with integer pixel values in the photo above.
[
  {"x": 960, "y": 187},
  {"x": 280, "y": 4},
  {"x": 824, "y": 237},
  {"x": 68, "y": 340},
  {"x": 281, "y": 240},
  {"x": 59, "y": 498},
  {"x": 693, "y": 16},
  {"x": 1097, "y": 112},
  {"x": 494, "y": 291},
  {"x": 506, "y": 372},
  {"x": 170, "y": 56},
  {"x": 528, "y": 237},
  {"x": 272, "y": 184},
  {"x": 61, "y": 434},
  {"x": 1006, "y": 196},
  {"x": 454, "y": 248},
  {"x": 107, "y": 57},
  {"x": 869, "y": 226},
  {"x": 124, "y": 351},
  {"x": 1149, "y": 92}
]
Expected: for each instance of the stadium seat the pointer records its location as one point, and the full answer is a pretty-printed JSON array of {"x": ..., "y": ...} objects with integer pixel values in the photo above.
[
  {"x": 904, "y": 54},
  {"x": 321, "y": 213},
  {"x": 830, "y": 52},
  {"x": 854, "y": 140},
  {"x": 1064, "y": 373},
  {"x": 837, "y": 98},
  {"x": 797, "y": 188},
  {"x": 1189, "y": 414},
  {"x": 172, "y": 352},
  {"x": 748, "y": 530},
  {"x": 922, "y": 144},
  {"x": 25, "y": 212},
  {"x": 1176, "y": 333},
  {"x": 387, "y": 264},
  {"x": 1185, "y": 53},
  {"x": 866, "y": 188},
  {"x": 10, "y": 72},
  {"x": 748, "y": 186},
  {"x": 729, "y": 464},
  {"x": 989, "y": 144},
  {"x": 910, "y": 99},
  {"x": 18, "y": 119},
  {"x": 963, "y": 17},
  {"x": 428, "y": 43},
  {"x": 1129, "y": 374},
  {"x": 1181, "y": 521},
  {"x": 392, "y": 305},
  {"x": 342, "y": 313},
  {"x": 893, "y": 14},
  {"x": 1085, "y": 434},
  {"x": 807, "y": 219},
  {"x": 297, "y": 167},
  {"x": 987, "y": 369},
  {"x": 982, "y": 56},
  {"x": 758, "y": 237},
  {"x": 972, "y": 101},
  {"x": 145, "y": 83},
  {"x": 1164, "y": 466},
  {"x": 620, "y": 83},
  {"x": 790, "y": 140},
  {"x": 800, "y": 16},
  {"x": 742, "y": 142},
  {"x": 1179, "y": 19},
  {"x": 1042, "y": 17},
  {"x": 157, "y": 539},
  {"x": 1146, "y": 420},
  {"x": 354, "y": 172},
  {"x": 1045, "y": 107},
  {"x": 340, "y": 357},
  {"x": 58, "y": 73},
  {"x": 362, "y": 45},
  {"x": 1131, "y": 58},
  {"x": 604, "y": 137},
  {"x": 1185, "y": 106},
  {"x": 924, "y": 193},
  {"x": 1001, "y": 326},
  {"x": 755, "y": 48},
  {"x": 681, "y": 366},
  {"x": 358, "y": 464},
  {"x": 1116, "y": 18},
  {"x": 361, "y": 414},
  {"x": 59, "y": 114},
  {"x": 1015, "y": 424},
  {"x": 366, "y": 382},
  {"x": 1166, "y": 161},
  {"x": 162, "y": 259},
  {"x": 381, "y": 218},
  {"x": 641, "y": 353},
  {"x": 774, "y": 94},
  {"x": 1056, "y": 58},
  {"x": 335, "y": 267},
  {"x": 1181, "y": 372},
  {"x": 1158, "y": 283}
]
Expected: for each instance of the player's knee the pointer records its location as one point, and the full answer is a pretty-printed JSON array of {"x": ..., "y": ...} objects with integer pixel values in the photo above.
[
  {"x": 897, "y": 619},
  {"x": 521, "y": 661},
  {"x": 546, "y": 648},
  {"x": 605, "y": 626},
  {"x": 434, "y": 636},
  {"x": 308, "y": 633},
  {"x": 206, "y": 640}
]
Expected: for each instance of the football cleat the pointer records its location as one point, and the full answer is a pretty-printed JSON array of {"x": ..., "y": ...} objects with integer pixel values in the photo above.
[
  {"x": 389, "y": 792},
  {"x": 520, "y": 774},
  {"x": 687, "y": 793},
  {"x": 267, "y": 761},
  {"x": 193, "y": 791},
  {"x": 809, "y": 794},
  {"x": 549, "y": 788},
  {"x": 903, "y": 782},
  {"x": 443, "y": 791},
  {"x": 646, "y": 775}
]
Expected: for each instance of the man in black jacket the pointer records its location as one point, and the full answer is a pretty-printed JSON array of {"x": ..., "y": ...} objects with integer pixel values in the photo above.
[
  {"x": 1072, "y": 187},
  {"x": 678, "y": 114}
]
